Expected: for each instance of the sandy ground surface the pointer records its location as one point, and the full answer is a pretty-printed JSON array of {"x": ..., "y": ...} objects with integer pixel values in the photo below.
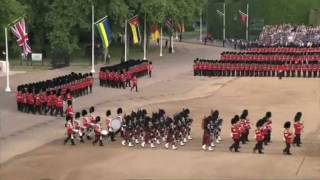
[{"x": 31, "y": 146}]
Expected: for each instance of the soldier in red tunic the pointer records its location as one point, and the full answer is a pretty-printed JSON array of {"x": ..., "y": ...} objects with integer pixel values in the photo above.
[
  {"x": 69, "y": 110},
  {"x": 134, "y": 83},
  {"x": 19, "y": 98},
  {"x": 78, "y": 127},
  {"x": 37, "y": 99},
  {"x": 30, "y": 101},
  {"x": 59, "y": 105},
  {"x": 235, "y": 134},
  {"x": 69, "y": 127},
  {"x": 298, "y": 126},
  {"x": 150, "y": 68},
  {"x": 259, "y": 137},
  {"x": 287, "y": 135},
  {"x": 97, "y": 132}
]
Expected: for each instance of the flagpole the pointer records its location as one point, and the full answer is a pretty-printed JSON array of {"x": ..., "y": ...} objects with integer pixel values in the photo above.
[
  {"x": 92, "y": 40},
  {"x": 145, "y": 38},
  {"x": 172, "y": 43},
  {"x": 247, "y": 23},
  {"x": 7, "y": 61},
  {"x": 224, "y": 21},
  {"x": 125, "y": 40},
  {"x": 161, "y": 40},
  {"x": 200, "y": 38}
]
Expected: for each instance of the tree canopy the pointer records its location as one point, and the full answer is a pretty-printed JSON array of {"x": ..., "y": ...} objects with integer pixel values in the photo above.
[{"x": 67, "y": 23}]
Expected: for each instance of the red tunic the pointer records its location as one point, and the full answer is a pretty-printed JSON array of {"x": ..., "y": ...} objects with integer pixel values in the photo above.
[
  {"x": 235, "y": 133},
  {"x": 19, "y": 97},
  {"x": 259, "y": 135},
  {"x": 287, "y": 136},
  {"x": 30, "y": 99},
  {"x": 37, "y": 100},
  {"x": 69, "y": 128},
  {"x": 59, "y": 102},
  {"x": 69, "y": 111},
  {"x": 297, "y": 127}
]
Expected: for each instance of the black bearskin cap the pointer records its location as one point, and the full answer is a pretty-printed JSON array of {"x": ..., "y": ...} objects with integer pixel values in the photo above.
[{"x": 287, "y": 124}]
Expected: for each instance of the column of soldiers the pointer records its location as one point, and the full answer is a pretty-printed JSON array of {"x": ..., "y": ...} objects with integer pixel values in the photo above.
[
  {"x": 257, "y": 64},
  {"x": 49, "y": 97},
  {"x": 240, "y": 126},
  {"x": 120, "y": 75},
  {"x": 136, "y": 128}
]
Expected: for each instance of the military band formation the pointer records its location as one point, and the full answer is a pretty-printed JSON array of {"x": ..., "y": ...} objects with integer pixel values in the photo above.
[{"x": 138, "y": 128}]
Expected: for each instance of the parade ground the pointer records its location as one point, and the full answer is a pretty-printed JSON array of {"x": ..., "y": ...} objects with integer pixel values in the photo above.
[{"x": 31, "y": 146}]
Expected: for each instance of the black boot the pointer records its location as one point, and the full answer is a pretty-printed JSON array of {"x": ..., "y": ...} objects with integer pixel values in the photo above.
[{"x": 72, "y": 142}]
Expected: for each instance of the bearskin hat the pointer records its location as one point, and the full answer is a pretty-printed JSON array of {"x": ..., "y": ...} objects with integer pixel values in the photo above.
[
  {"x": 77, "y": 115},
  {"x": 297, "y": 117},
  {"x": 260, "y": 123},
  {"x": 84, "y": 112},
  {"x": 69, "y": 103},
  {"x": 235, "y": 119},
  {"x": 108, "y": 113},
  {"x": 98, "y": 119},
  {"x": 268, "y": 114},
  {"x": 244, "y": 114},
  {"x": 119, "y": 111},
  {"x": 287, "y": 124},
  {"x": 91, "y": 110}
]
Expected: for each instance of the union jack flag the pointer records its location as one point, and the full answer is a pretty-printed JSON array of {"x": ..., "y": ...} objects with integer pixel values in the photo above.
[
  {"x": 169, "y": 24},
  {"x": 19, "y": 30}
]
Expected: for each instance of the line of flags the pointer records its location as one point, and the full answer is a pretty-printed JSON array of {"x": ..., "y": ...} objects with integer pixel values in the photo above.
[{"x": 18, "y": 28}]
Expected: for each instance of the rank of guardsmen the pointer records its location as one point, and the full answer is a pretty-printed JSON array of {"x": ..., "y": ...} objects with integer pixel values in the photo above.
[
  {"x": 125, "y": 74},
  {"x": 52, "y": 96},
  {"x": 263, "y": 62}
]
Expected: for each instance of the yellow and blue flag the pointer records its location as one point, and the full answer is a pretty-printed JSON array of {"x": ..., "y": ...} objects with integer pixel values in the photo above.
[{"x": 105, "y": 32}]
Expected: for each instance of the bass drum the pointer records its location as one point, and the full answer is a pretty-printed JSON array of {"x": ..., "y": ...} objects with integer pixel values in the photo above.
[{"x": 115, "y": 124}]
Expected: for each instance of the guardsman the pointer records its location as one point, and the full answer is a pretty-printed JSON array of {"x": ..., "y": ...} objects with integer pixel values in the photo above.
[
  {"x": 134, "y": 83},
  {"x": 97, "y": 132},
  {"x": 150, "y": 68},
  {"x": 37, "y": 103},
  {"x": 59, "y": 105},
  {"x": 77, "y": 126},
  {"x": 69, "y": 110},
  {"x": 44, "y": 98},
  {"x": 108, "y": 125},
  {"x": 19, "y": 98},
  {"x": 259, "y": 137},
  {"x": 30, "y": 101},
  {"x": 69, "y": 128},
  {"x": 235, "y": 133},
  {"x": 287, "y": 135},
  {"x": 86, "y": 124},
  {"x": 298, "y": 127}
]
